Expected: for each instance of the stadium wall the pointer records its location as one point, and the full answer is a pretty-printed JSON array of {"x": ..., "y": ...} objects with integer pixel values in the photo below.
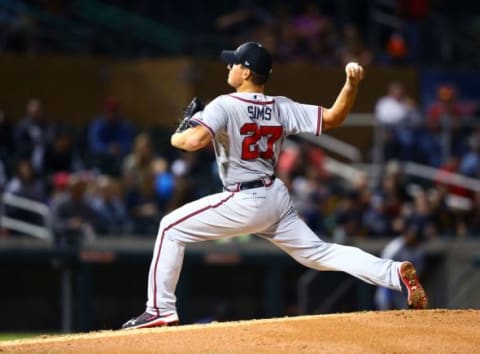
[{"x": 155, "y": 91}]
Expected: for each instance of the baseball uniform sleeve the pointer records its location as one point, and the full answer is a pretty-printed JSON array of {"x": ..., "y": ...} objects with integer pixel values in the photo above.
[
  {"x": 213, "y": 117},
  {"x": 299, "y": 118}
]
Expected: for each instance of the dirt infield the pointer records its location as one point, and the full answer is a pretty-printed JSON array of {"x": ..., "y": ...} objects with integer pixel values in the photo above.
[{"x": 428, "y": 331}]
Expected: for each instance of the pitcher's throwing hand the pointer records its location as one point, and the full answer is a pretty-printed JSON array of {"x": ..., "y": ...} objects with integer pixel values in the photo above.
[{"x": 354, "y": 73}]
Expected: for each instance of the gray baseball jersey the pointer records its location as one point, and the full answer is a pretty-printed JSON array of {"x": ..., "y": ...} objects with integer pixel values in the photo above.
[{"x": 248, "y": 131}]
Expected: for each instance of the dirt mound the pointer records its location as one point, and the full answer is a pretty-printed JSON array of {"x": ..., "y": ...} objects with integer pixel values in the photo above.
[{"x": 427, "y": 331}]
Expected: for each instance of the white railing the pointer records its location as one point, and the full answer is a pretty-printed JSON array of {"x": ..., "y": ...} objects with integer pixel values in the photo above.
[
  {"x": 43, "y": 232},
  {"x": 445, "y": 177},
  {"x": 335, "y": 145},
  {"x": 352, "y": 153},
  {"x": 341, "y": 169}
]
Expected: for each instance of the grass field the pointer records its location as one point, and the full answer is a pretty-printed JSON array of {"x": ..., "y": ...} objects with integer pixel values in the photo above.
[{"x": 11, "y": 336}]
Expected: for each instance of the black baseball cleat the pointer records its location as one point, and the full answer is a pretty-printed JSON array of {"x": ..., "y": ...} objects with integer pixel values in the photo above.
[
  {"x": 416, "y": 296},
  {"x": 147, "y": 320}
]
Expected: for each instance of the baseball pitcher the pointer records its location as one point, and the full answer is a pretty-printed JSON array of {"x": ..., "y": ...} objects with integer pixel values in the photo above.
[{"x": 247, "y": 129}]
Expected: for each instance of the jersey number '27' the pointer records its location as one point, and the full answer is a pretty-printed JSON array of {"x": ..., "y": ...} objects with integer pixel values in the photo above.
[{"x": 250, "y": 149}]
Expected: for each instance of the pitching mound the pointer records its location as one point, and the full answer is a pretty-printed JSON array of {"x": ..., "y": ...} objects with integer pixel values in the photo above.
[{"x": 428, "y": 331}]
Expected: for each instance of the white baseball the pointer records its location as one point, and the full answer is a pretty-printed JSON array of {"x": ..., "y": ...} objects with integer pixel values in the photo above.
[
  {"x": 354, "y": 72},
  {"x": 351, "y": 66}
]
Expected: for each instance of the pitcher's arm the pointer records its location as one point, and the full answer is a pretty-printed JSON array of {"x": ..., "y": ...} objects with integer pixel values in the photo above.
[{"x": 336, "y": 114}]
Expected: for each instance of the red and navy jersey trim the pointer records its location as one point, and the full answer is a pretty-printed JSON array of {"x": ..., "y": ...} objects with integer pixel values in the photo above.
[
  {"x": 205, "y": 125},
  {"x": 319, "y": 121},
  {"x": 252, "y": 101}
]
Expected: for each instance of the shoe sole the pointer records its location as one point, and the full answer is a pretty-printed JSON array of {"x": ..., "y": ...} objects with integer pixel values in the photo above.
[
  {"x": 166, "y": 321},
  {"x": 417, "y": 298}
]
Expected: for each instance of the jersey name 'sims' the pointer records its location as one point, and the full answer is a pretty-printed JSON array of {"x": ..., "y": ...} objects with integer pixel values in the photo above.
[{"x": 259, "y": 113}]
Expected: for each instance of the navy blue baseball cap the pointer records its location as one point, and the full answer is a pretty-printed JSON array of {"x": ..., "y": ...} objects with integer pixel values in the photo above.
[{"x": 251, "y": 55}]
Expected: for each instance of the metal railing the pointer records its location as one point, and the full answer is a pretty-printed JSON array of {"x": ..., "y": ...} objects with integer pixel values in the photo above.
[
  {"x": 43, "y": 232},
  {"x": 330, "y": 143}
]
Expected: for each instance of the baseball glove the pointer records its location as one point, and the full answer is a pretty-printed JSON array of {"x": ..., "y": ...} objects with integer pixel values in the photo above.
[{"x": 193, "y": 107}]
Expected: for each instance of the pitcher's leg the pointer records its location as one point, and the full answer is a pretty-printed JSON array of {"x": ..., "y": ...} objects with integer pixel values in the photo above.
[
  {"x": 188, "y": 223},
  {"x": 296, "y": 238},
  {"x": 164, "y": 273},
  {"x": 168, "y": 253},
  {"x": 208, "y": 218},
  {"x": 360, "y": 264}
]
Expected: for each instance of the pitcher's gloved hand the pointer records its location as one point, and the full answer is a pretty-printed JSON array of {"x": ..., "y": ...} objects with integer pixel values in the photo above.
[{"x": 193, "y": 107}]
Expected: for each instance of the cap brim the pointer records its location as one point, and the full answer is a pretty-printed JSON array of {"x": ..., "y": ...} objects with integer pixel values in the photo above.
[{"x": 228, "y": 56}]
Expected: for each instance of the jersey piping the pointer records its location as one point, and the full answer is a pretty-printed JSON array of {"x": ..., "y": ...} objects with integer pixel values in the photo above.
[
  {"x": 252, "y": 101},
  {"x": 205, "y": 125},
  {"x": 319, "y": 121}
]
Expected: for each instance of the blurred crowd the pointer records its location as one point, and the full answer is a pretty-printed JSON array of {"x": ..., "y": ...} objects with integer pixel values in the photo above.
[
  {"x": 110, "y": 178},
  {"x": 296, "y": 33},
  {"x": 325, "y": 32},
  {"x": 415, "y": 32},
  {"x": 105, "y": 179},
  {"x": 444, "y": 135}
]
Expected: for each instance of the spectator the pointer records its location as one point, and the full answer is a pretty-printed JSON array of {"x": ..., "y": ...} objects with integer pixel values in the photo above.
[
  {"x": 449, "y": 202},
  {"x": 470, "y": 163},
  {"x": 308, "y": 194},
  {"x": 143, "y": 205},
  {"x": 430, "y": 144},
  {"x": 181, "y": 169},
  {"x": 59, "y": 184},
  {"x": 26, "y": 185},
  {"x": 448, "y": 104},
  {"x": 360, "y": 184},
  {"x": 452, "y": 165},
  {"x": 447, "y": 114},
  {"x": 194, "y": 173},
  {"x": 110, "y": 207},
  {"x": 397, "y": 48},
  {"x": 139, "y": 163},
  {"x": 164, "y": 184},
  {"x": 421, "y": 218},
  {"x": 398, "y": 115},
  {"x": 288, "y": 163},
  {"x": 348, "y": 218},
  {"x": 408, "y": 246},
  {"x": 392, "y": 190},
  {"x": 74, "y": 219},
  {"x": 443, "y": 216},
  {"x": 395, "y": 107},
  {"x": 61, "y": 154},
  {"x": 376, "y": 221},
  {"x": 110, "y": 138},
  {"x": 33, "y": 133},
  {"x": 6, "y": 141}
]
